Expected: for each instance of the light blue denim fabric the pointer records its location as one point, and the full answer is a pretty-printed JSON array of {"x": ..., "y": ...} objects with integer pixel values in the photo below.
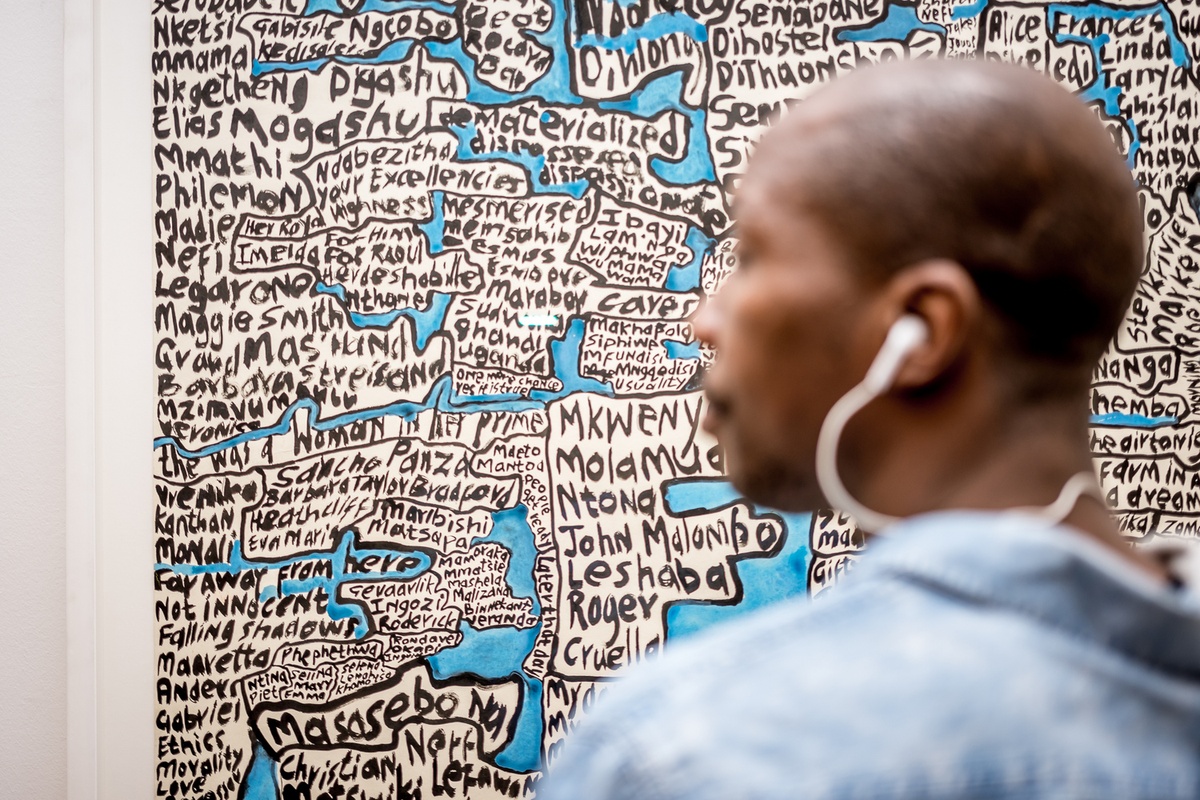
[{"x": 969, "y": 655}]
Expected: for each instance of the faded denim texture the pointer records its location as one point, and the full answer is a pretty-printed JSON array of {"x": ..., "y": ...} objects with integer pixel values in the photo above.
[{"x": 969, "y": 655}]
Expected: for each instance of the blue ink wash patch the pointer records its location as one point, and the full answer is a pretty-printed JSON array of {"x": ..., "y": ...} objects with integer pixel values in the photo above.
[
  {"x": 1132, "y": 420},
  {"x": 686, "y": 277},
  {"x": 491, "y": 653},
  {"x": 510, "y": 529},
  {"x": 260, "y": 782},
  {"x": 681, "y": 349},
  {"x": 401, "y": 5},
  {"x": 425, "y": 323},
  {"x": 406, "y": 410},
  {"x": 499, "y": 653},
  {"x": 665, "y": 93},
  {"x": 968, "y": 11},
  {"x": 566, "y": 353},
  {"x": 394, "y": 52},
  {"x": 764, "y": 579},
  {"x": 435, "y": 228}
]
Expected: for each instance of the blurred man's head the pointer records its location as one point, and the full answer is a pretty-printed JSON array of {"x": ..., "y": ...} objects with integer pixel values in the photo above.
[{"x": 983, "y": 198}]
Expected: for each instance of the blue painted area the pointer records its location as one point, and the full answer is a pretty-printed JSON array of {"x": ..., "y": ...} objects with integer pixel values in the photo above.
[
  {"x": 497, "y": 654},
  {"x": 681, "y": 349},
  {"x": 263, "y": 67},
  {"x": 425, "y": 323},
  {"x": 655, "y": 27},
  {"x": 701, "y": 495},
  {"x": 566, "y": 353},
  {"x": 435, "y": 229},
  {"x": 896, "y": 26},
  {"x": 336, "y": 290},
  {"x": 1101, "y": 90},
  {"x": 968, "y": 11},
  {"x": 260, "y": 782},
  {"x": 510, "y": 529},
  {"x": 1132, "y": 420},
  {"x": 523, "y": 753},
  {"x": 485, "y": 399},
  {"x": 431, "y": 320},
  {"x": 765, "y": 580},
  {"x": 686, "y": 277},
  {"x": 500, "y": 653},
  {"x": 338, "y": 561},
  {"x": 491, "y": 653},
  {"x": 665, "y": 93}
]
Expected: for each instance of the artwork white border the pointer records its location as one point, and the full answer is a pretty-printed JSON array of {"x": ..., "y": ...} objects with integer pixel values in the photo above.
[{"x": 108, "y": 305}]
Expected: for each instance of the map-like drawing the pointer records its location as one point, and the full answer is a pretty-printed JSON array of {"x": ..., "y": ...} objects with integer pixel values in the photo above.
[{"x": 429, "y": 471}]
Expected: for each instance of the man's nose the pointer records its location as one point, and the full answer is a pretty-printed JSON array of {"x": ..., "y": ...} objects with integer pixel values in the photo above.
[{"x": 706, "y": 322}]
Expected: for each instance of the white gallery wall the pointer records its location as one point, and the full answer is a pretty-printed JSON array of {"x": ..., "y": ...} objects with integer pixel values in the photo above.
[{"x": 32, "y": 384}]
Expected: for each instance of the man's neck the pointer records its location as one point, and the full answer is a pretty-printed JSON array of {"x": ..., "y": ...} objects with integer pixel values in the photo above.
[{"x": 1020, "y": 462}]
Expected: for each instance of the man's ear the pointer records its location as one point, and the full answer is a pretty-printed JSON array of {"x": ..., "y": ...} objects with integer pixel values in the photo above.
[{"x": 943, "y": 295}]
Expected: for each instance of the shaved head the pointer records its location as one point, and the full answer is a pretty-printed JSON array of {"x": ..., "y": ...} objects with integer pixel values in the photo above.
[
  {"x": 978, "y": 196},
  {"x": 988, "y": 165}
]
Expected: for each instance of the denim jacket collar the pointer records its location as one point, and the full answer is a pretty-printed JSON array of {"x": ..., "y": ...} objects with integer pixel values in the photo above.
[{"x": 1054, "y": 574}]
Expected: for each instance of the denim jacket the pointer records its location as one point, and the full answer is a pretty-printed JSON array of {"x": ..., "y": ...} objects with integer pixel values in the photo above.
[{"x": 969, "y": 655}]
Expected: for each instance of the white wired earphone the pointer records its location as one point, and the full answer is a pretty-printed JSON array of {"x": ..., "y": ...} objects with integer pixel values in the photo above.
[{"x": 905, "y": 335}]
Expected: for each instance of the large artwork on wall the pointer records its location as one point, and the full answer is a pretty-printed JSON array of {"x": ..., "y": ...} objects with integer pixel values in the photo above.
[{"x": 429, "y": 471}]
